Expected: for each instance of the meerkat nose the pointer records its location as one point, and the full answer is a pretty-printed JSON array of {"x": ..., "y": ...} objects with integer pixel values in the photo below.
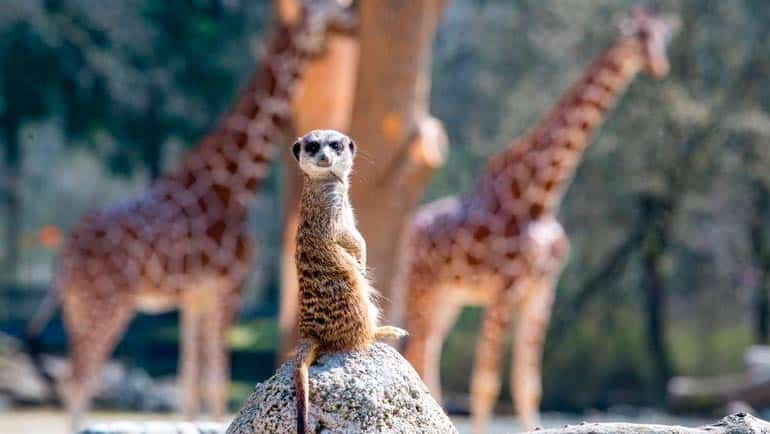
[{"x": 324, "y": 161}]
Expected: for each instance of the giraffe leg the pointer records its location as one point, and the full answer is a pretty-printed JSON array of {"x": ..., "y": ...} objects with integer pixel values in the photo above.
[
  {"x": 189, "y": 360},
  {"x": 443, "y": 320},
  {"x": 415, "y": 349},
  {"x": 532, "y": 324},
  {"x": 430, "y": 315},
  {"x": 218, "y": 316},
  {"x": 485, "y": 382},
  {"x": 95, "y": 323},
  {"x": 417, "y": 325}
]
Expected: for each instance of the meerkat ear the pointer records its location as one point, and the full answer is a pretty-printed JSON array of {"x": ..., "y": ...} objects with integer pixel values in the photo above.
[
  {"x": 295, "y": 148},
  {"x": 352, "y": 147}
]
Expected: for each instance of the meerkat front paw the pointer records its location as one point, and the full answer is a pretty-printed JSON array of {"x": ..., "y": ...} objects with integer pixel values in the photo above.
[{"x": 389, "y": 332}]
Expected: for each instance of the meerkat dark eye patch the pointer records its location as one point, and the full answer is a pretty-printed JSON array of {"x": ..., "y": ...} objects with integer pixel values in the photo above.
[
  {"x": 335, "y": 146},
  {"x": 312, "y": 147},
  {"x": 295, "y": 148}
]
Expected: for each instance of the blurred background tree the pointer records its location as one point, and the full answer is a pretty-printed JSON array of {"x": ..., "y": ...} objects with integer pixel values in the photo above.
[{"x": 670, "y": 266}]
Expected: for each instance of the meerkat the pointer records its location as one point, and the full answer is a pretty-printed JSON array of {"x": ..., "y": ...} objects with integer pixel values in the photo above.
[{"x": 337, "y": 311}]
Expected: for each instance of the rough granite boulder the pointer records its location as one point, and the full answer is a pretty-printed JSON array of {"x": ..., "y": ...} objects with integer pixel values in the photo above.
[
  {"x": 739, "y": 423},
  {"x": 155, "y": 428},
  {"x": 373, "y": 391},
  {"x": 120, "y": 387}
]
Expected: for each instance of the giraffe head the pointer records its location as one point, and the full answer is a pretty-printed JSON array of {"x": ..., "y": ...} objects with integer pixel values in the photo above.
[
  {"x": 653, "y": 32},
  {"x": 318, "y": 16},
  {"x": 325, "y": 154}
]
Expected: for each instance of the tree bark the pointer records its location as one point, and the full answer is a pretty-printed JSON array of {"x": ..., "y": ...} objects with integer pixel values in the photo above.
[
  {"x": 400, "y": 143},
  {"x": 324, "y": 100}
]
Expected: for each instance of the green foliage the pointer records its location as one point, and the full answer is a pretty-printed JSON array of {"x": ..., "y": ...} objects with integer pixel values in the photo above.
[{"x": 255, "y": 335}]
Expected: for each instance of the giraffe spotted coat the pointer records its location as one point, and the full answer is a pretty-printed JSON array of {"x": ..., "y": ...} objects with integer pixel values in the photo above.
[
  {"x": 184, "y": 242},
  {"x": 501, "y": 246}
]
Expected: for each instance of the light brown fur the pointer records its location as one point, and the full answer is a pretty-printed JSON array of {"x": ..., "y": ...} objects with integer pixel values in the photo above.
[{"x": 336, "y": 307}]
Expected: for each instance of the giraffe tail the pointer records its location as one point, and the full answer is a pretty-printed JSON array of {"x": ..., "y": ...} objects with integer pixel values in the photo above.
[
  {"x": 32, "y": 337},
  {"x": 306, "y": 355}
]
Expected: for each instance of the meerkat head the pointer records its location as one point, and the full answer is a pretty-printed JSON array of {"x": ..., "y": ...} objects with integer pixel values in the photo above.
[{"x": 325, "y": 154}]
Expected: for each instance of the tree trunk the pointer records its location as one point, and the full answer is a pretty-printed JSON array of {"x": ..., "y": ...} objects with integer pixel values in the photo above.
[
  {"x": 324, "y": 100},
  {"x": 10, "y": 187},
  {"x": 400, "y": 143},
  {"x": 655, "y": 211},
  {"x": 761, "y": 253}
]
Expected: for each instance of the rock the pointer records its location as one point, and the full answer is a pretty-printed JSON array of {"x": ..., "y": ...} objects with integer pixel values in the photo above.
[
  {"x": 714, "y": 394},
  {"x": 740, "y": 423},
  {"x": 757, "y": 358},
  {"x": 121, "y": 387},
  {"x": 5, "y": 402},
  {"x": 131, "y": 388},
  {"x": 356, "y": 392},
  {"x": 19, "y": 381},
  {"x": 738, "y": 407},
  {"x": 156, "y": 428}
]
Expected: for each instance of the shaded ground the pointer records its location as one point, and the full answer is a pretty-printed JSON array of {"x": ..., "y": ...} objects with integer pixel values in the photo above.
[{"x": 53, "y": 422}]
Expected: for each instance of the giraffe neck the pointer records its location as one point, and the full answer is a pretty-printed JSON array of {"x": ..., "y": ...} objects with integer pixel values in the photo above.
[
  {"x": 538, "y": 167},
  {"x": 233, "y": 161}
]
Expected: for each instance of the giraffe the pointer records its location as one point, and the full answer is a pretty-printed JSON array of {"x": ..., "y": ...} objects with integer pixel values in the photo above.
[
  {"x": 501, "y": 246},
  {"x": 184, "y": 242}
]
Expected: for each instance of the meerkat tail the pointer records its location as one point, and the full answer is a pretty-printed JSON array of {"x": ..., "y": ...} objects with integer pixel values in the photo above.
[
  {"x": 306, "y": 355},
  {"x": 389, "y": 332}
]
